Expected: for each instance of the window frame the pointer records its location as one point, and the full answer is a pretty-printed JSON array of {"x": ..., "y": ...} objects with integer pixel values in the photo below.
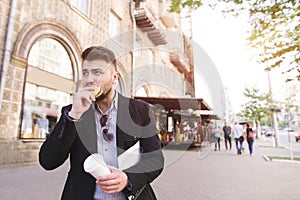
[
  {"x": 77, "y": 5},
  {"x": 111, "y": 24}
]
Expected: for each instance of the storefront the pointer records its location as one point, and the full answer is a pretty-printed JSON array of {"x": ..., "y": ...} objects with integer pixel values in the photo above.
[
  {"x": 179, "y": 121},
  {"x": 209, "y": 122},
  {"x": 49, "y": 82}
]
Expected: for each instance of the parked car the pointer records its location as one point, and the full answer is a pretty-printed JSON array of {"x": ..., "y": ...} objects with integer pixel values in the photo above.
[{"x": 269, "y": 132}]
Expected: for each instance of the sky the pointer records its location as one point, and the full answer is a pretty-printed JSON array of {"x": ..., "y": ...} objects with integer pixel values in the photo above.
[{"x": 224, "y": 40}]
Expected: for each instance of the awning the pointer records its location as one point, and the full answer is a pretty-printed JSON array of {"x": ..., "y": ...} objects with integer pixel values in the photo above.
[
  {"x": 209, "y": 117},
  {"x": 177, "y": 103},
  {"x": 51, "y": 112}
]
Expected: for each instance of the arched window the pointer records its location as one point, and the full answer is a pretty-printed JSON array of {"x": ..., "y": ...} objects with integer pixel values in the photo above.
[
  {"x": 142, "y": 91},
  {"x": 48, "y": 86},
  {"x": 49, "y": 55}
]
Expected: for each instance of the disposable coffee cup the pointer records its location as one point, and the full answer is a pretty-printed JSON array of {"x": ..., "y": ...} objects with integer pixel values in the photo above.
[{"x": 95, "y": 165}]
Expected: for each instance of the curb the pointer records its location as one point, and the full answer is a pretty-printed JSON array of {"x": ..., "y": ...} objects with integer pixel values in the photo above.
[
  {"x": 286, "y": 161},
  {"x": 266, "y": 158}
]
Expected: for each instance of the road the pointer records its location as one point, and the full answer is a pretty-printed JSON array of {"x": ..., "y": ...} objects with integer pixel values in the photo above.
[{"x": 284, "y": 140}]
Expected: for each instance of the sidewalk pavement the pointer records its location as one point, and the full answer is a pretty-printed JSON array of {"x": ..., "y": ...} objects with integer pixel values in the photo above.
[{"x": 221, "y": 175}]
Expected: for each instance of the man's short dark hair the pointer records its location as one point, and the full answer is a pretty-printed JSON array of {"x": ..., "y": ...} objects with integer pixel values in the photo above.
[{"x": 99, "y": 53}]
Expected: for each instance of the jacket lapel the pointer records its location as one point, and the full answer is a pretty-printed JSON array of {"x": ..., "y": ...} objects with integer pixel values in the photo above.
[{"x": 126, "y": 135}]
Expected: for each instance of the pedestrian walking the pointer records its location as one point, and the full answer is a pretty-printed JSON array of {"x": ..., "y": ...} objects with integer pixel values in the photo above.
[
  {"x": 217, "y": 134},
  {"x": 238, "y": 137},
  {"x": 227, "y": 135},
  {"x": 108, "y": 124},
  {"x": 250, "y": 138}
]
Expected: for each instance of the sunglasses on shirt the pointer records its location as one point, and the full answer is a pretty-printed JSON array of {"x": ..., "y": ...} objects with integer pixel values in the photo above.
[{"x": 104, "y": 124}]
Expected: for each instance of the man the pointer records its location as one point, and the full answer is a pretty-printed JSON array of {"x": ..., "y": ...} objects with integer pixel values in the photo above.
[
  {"x": 238, "y": 137},
  {"x": 217, "y": 133},
  {"x": 227, "y": 135},
  {"x": 109, "y": 125}
]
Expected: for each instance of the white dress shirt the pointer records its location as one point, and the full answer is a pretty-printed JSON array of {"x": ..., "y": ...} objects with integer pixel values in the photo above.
[{"x": 108, "y": 149}]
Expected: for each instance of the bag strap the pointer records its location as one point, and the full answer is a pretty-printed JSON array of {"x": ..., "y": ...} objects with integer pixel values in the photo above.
[{"x": 138, "y": 193}]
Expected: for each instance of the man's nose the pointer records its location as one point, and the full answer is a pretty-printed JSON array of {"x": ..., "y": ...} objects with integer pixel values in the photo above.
[{"x": 90, "y": 78}]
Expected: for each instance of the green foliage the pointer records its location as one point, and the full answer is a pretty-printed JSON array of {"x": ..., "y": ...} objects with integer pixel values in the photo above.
[
  {"x": 276, "y": 34},
  {"x": 283, "y": 124},
  {"x": 275, "y": 28},
  {"x": 176, "y": 5},
  {"x": 257, "y": 108}
]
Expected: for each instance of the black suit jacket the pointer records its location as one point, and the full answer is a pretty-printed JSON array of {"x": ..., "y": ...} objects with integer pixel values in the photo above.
[{"x": 78, "y": 140}]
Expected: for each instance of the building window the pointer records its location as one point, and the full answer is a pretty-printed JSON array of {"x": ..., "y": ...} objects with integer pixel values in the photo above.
[
  {"x": 49, "y": 55},
  {"x": 40, "y": 111},
  {"x": 81, "y": 5},
  {"x": 150, "y": 57},
  {"x": 114, "y": 25},
  {"x": 49, "y": 83},
  {"x": 137, "y": 46},
  {"x": 142, "y": 91}
]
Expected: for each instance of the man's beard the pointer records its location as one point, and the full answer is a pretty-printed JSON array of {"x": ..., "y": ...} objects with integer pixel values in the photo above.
[{"x": 103, "y": 95}]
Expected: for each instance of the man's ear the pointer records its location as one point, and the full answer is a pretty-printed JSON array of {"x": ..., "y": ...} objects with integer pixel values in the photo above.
[{"x": 115, "y": 77}]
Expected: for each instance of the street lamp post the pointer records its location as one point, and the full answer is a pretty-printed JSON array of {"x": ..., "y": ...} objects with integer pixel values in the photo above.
[
  {"x": 288, "y": 119},
  {"x": 274, "y": 111}
]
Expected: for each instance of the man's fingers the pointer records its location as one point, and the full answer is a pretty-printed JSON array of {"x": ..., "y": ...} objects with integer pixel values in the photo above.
[
  {"x": 110, "y": 186},
  {"x": 111, "y": 182},
  {"x": 86, "y": 97},
  {"x": 108, "y": 177},
  {"x": 114, "y": 182},
  {"x": 113, "y": 169},
  {"x": 86, "y": 89},
  {"x": 87, "y": 100}
]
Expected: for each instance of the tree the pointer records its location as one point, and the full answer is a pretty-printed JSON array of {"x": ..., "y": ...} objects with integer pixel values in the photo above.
[
  {"x": 291, "y": 107},
  {"x": 257, "y": 108},
  {"x": 275, "y": 28}
]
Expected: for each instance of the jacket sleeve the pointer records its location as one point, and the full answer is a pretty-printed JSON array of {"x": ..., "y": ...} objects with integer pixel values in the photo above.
[
  {"x": 151, "y": 162},
  {"x": 55, "y": 150}
]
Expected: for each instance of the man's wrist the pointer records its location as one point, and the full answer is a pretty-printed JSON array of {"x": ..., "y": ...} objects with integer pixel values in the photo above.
[
  {"x": 74, "y": 116},
  {"x": 70, "y": 117}
]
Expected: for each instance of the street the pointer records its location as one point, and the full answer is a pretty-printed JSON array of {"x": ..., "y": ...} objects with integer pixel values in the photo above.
[
  {"x": 284, "y": 140},
  {"x": 221, "y": 175}
]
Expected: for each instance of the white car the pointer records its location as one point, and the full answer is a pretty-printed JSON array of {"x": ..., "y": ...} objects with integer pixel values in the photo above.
[{"x": 269, "y": 132}]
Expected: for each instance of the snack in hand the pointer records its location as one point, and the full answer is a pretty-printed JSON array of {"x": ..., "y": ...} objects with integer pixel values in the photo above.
[{"x": 97, "y": 92}]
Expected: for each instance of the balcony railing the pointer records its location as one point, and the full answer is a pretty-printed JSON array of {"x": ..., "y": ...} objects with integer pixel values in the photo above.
[
  {"x": 146, "y": 19},
  {"x": 182, "y": 65}
]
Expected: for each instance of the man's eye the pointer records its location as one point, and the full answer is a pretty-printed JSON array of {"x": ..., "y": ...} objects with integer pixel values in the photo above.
[
  {"x": 99, "y": 72},
  {"x": 84, "y": 73}
]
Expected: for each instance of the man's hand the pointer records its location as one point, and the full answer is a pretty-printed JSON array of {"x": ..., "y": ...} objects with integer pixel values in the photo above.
[
  {"x": 114, "y": 182},
  {"x": 81, "y": 102}
]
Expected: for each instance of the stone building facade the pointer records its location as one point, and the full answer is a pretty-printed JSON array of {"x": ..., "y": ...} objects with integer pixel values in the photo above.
[{"x": 41, "y": 43}]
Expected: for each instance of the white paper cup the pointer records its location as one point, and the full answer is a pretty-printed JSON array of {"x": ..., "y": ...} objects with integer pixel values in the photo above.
[{"x": 95, "y": 165}]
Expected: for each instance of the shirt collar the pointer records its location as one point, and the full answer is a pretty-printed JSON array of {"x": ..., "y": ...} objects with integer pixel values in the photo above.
[
  {"x": 115, "y": 100},
  {"x": 114, "y": 105}
]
